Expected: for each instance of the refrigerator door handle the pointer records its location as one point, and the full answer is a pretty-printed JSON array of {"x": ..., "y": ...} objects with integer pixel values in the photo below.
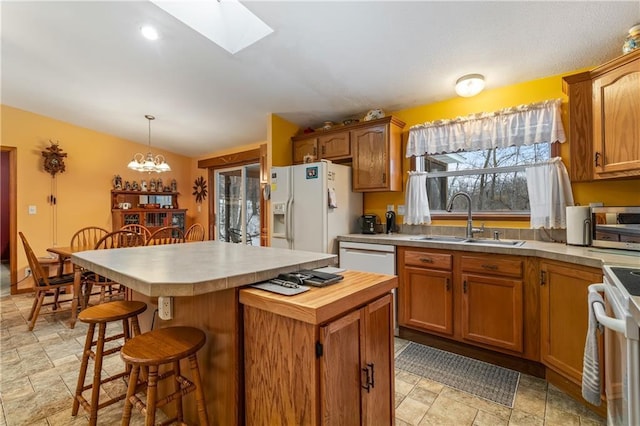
[{"x": 287, "y": 227}]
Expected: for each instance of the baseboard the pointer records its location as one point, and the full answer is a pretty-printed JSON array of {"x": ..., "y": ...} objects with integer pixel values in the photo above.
[{"x": 503, "y": 360}]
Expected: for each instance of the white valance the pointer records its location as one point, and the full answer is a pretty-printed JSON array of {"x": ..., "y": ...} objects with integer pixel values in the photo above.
[{"x": 522, "y": 125}]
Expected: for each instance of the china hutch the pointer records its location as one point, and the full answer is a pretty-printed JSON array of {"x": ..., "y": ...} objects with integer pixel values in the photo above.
[{"x": 151, "y": 209}]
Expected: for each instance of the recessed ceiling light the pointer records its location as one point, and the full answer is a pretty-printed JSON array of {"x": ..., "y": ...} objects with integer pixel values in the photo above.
[{"x": 149, "y": 32}]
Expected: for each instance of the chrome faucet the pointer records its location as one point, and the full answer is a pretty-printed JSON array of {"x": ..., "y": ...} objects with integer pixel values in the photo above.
[{"x": 470, "y": 229}]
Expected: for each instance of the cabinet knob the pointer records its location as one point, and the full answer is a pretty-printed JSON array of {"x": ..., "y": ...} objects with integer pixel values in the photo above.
[
  {"x": 543, "y": 277},
  {"x": 448, "y": 284},
  {"x": 597, "y": 157},
  {"x": 464, "y": 286}
]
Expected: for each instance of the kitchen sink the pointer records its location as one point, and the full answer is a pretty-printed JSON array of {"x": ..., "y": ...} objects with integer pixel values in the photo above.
[{"x": 474, "y": 241}]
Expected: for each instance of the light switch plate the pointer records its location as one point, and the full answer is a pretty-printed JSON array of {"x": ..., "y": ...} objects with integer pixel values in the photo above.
[{"x": 32, "y": 210}]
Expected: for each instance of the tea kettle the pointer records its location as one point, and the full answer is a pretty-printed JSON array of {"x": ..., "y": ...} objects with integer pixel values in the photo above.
[{"x": 391, "y": 221}]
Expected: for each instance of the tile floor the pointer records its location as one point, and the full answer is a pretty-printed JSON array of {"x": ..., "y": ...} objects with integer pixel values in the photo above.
[{"x": 38, "y": 373}]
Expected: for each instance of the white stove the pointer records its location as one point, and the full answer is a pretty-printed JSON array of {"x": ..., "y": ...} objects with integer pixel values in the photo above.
[{"x": 622, "y": 348}]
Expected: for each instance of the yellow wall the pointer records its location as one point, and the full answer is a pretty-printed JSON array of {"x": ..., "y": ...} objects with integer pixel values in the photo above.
[
  {"x": 280, "y": 133},
  {"x": 617, "y": 192},
  {"x": 83, "y": 190}
]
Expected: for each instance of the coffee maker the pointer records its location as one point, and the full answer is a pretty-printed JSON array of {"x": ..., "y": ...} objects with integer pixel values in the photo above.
[{"x": 391, "y": 221}]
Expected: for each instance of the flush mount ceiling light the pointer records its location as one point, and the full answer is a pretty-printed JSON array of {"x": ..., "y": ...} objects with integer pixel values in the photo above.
[
  {"x": 150, "y": 163},
  {"x": 149, "y": 32},
  {"x": 225, "y": 22},
  {"x": 470, "y": 85}
]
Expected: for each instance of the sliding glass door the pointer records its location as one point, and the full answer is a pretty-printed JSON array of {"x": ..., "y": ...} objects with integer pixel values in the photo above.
[{"x": 237, "y": 204}]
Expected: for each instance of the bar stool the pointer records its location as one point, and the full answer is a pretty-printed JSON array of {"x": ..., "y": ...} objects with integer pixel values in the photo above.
[
  {"x": 150, "y": 350},
  {"x": 127, "y": 311}
]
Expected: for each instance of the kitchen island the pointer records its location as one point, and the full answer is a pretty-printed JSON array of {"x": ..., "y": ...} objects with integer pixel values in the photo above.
[{"x": 203, "y": 279}]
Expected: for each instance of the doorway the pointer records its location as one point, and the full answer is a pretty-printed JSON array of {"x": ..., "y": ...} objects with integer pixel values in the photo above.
[
  {"x": 237, "y": 204},
  {"x": 8, "y": 279}
]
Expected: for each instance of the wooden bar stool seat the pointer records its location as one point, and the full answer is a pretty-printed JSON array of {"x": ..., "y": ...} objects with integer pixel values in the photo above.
[
  {"x": 125, "y": 311},
  {"x": 150, "y": 350}
]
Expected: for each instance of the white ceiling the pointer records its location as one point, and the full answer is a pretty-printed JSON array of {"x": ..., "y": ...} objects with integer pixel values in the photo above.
[{"x": 85, "y": 62}]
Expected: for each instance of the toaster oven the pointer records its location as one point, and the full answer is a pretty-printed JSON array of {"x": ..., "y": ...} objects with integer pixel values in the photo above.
[{"x": 616, "y": 227}]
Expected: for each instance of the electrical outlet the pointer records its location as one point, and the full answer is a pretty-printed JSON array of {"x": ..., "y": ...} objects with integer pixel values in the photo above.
[
  {"x": 27, "y": 272},
  {"x": 401, "y": 210},
  {"x": 165, "y": 307}
]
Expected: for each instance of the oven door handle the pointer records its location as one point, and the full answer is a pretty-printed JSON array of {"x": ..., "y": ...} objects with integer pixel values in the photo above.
[{"x": 598, "y": 309}]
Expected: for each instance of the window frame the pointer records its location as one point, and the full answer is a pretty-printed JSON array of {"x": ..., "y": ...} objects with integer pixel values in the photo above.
[{"x": 486, "y": 215}]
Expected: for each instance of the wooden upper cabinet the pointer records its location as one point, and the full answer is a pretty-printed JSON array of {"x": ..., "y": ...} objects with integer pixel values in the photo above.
[
  {"x": 377, "y": 156},
  {"x": 604, "y": 120},
  {"x": 335, "y": 146},
  {"x": 616, "y": 121},
  {"x": 303, "y": 148}
]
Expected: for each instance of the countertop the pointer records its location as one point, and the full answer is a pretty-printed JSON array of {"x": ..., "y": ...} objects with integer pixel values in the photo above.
[
  {"x": 586, "y": 256},
  {"x": 319, "y": 305},
  {"x": 196, "y": 268}
]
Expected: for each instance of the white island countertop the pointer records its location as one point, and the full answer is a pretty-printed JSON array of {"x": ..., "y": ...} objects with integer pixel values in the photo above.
[{"x": 192, "y": 269}]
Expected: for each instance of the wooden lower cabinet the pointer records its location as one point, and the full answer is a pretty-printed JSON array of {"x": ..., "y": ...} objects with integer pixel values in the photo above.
[
  {"x": 564, "y": 315},
  {"x": 356, "y": 375},
  {"x": 492, "y": 311},
  {"x": 428, "y": 299},
  {"x": 310, "y": 371}
]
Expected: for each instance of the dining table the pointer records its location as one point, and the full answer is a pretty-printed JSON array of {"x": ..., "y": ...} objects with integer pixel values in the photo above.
[
  {"x": 80, "y": 299},
  {"x": 201, "y": 282}
]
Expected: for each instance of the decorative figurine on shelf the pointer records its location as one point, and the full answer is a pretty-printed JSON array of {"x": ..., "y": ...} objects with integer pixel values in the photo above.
[
  {"x": 53, "y": 159},
  {"x": 143, "y": 185},
  {"x": 200, "y": 189},
  {"x": 159, "y": 186},
  {"x": 152, "y": 185},
  {"x": 174, "y": 185},
  {"x": 127, "y": 185},
  {"x": 135, "y": 186},
  {"x": 117, "y": 182}
]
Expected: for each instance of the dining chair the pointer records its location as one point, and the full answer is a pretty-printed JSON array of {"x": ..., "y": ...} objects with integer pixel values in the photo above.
[
  {"x": 166, "y": 235},
  {"x": 43, "y": 285},
  {"x": 111, "y": 240},
  {"x": 138, "y": 229},
  {"x": 195, "y": 233},
  {"x": 86, "y": 238}
]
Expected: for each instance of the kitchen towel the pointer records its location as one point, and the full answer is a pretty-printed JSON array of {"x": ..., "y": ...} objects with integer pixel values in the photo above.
[{"x": 591, "y": 362}]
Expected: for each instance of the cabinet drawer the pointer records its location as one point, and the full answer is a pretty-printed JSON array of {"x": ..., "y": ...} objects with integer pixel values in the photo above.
[
  {"x": 492, "y": 265},
  {"x": 428, "y": 260}
]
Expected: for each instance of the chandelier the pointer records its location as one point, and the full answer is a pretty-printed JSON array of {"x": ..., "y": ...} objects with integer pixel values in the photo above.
[{"x": 149, "y": 163}]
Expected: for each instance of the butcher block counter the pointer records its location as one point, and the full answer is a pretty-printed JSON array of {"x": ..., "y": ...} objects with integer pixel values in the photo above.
[{"x": 324, "y": 356}]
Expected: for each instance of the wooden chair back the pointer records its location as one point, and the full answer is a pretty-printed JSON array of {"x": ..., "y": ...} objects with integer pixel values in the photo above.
[
  {"x": 117, "y": 239},
  {"x": 166, "y": 235},
  {"x": 138, "y": 229},
  {"x": 86, "y": 238},
  {"x": 40, "y": 279},
  {"x": 195, "y": 233}
]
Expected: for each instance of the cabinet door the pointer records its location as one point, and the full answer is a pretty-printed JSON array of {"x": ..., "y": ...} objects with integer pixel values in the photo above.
[
  {"x": 370, "y": 158},
  {"x": 427, "y": 300},
  {"x": 564, "y": 316},
  {"x": 335, "y": 146},
  {"x": 340, "y": 370},
  {"x": 378, "y": 400},
  {"x": 492, "y": 311},
  {"x": 305, "y": 147},
  {"x": 616, "y": 121}
]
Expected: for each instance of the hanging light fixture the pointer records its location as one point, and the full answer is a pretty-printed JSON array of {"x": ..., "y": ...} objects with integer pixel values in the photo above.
[
  {"x": 150, "y": 163},
  {"x": 470, "y": 85}
]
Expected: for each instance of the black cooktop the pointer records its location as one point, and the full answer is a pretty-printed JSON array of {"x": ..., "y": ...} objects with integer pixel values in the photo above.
[{"x": 630, "y": 279}]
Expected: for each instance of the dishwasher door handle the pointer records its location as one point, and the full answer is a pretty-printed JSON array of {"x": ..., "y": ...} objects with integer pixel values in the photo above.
[{"x": 367, "y": 252}]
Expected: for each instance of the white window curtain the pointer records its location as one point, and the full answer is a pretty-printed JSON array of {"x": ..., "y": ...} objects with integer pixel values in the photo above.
[
  {"x": 549, "y": 190},
  {"x": 521, "y": 125},
  {"x": 416, "y": 201}
]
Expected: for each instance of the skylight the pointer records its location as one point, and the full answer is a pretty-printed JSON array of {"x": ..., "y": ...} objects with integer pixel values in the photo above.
[{"x": 226, "y": 22}]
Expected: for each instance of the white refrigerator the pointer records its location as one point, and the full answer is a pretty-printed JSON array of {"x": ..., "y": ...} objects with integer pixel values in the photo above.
[{"x": 311, "y": 204}]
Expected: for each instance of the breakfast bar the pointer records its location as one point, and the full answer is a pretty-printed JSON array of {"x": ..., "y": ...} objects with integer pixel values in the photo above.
[{"x": 203, "y": 282}]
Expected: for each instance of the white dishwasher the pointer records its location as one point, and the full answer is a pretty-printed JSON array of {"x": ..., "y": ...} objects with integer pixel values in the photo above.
[{"x": 368, "y": 257}]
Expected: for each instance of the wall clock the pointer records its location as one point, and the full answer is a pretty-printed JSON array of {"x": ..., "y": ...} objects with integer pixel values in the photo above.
[
  {"x": 54, "y": 159},
  {"x": 200, "y": 189}
]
